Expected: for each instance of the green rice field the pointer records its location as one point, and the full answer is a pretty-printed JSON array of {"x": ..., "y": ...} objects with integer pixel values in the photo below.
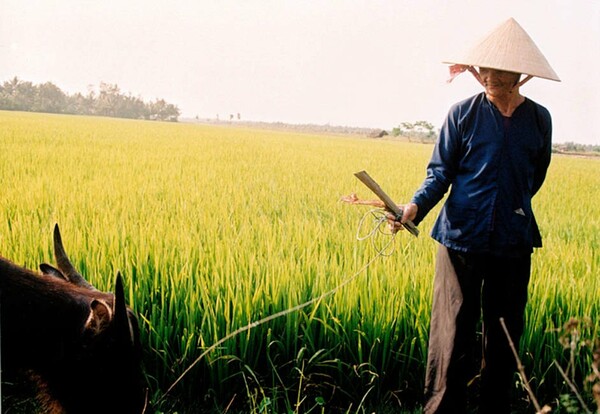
[{"x": 217, "y": 227}]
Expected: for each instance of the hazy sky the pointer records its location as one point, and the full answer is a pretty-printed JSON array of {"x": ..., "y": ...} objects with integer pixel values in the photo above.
[{"x": 372, "y": 63}]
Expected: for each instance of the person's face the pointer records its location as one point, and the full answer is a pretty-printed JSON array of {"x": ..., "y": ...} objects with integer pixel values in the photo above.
[{"x": 498, "y": 83}]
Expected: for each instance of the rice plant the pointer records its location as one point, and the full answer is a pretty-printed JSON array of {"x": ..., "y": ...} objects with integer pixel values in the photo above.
[{"x": 215, "y": 228}]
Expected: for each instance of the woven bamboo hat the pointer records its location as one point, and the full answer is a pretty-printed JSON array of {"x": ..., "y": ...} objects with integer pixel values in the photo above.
[{"x": 509, "y": 48}]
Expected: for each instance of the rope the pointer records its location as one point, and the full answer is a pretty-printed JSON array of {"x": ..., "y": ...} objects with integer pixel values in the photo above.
[{"x": 378, "y": 227}]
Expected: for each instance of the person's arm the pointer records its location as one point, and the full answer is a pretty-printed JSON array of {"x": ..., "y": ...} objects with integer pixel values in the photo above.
[
  {"x": 440, "y": 171},
  {"x": 544, "y": 160}
]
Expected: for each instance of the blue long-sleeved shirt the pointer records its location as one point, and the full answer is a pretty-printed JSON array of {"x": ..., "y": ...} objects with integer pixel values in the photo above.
[{"x": 493, "y": 165}]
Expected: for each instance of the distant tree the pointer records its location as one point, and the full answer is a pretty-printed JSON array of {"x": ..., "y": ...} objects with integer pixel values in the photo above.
[
  {"x": 408, "y": 127},
  {"x": 426, "y": 130},
  {"x": 49, "y": 98},
  {"x": 132, "y": 107},
  {"x": 82, "y": 105},
  {"x": 172, "y": 113},
  {"x": 422, "y": 130},
  {"x": 17, "y": 95},
  {"x": 108, "y": 99},
  {"x": 405, "y": 129},
  {"x": 162, "y": 111}
]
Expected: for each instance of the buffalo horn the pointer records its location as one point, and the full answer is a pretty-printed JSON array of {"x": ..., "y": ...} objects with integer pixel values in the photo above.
[{"x": 64, "y": 264}]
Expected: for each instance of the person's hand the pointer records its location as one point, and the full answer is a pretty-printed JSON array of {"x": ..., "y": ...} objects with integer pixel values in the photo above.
[{"x": 409, "y": 212}]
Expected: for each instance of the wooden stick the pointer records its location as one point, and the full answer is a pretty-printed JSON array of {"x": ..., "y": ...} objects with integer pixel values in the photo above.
[
  {"x": 573, "y": 388},
  {"x": 521, "y": 368},
  {"x": 387, "y": 201}
]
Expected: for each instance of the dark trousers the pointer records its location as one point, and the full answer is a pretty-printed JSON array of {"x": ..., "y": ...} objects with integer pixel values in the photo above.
[{"x": 466, "y": 288}]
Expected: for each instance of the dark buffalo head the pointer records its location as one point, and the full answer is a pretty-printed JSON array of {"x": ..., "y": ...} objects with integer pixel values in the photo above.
[{"x": 80, "y": 345}]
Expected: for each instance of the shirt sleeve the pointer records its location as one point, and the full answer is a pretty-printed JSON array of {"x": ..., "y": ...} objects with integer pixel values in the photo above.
[
  {"x": 441, "y": 169},
  {"x": 545, "y": 153}
]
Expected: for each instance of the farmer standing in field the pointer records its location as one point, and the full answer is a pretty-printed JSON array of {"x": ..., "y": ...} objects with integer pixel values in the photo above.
[{"x": 492, "y": 153}]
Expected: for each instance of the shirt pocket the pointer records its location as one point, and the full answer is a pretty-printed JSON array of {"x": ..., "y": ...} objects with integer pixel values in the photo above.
[
  {"x": 462, "y": 222},
  {"x": 520, "y": 233}
]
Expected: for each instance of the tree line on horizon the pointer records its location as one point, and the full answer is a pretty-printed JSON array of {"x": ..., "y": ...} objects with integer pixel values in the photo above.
[{"x": 19, "y": 95}]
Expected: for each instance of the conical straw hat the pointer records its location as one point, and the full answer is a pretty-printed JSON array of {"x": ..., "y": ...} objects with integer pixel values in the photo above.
[{"x": 508, "y": 48}]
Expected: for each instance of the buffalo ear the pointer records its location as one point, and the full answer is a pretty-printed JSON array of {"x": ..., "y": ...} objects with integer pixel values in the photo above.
[
  {"x": 100, "y": 317},
  {"x": 48, "y": 270}
]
